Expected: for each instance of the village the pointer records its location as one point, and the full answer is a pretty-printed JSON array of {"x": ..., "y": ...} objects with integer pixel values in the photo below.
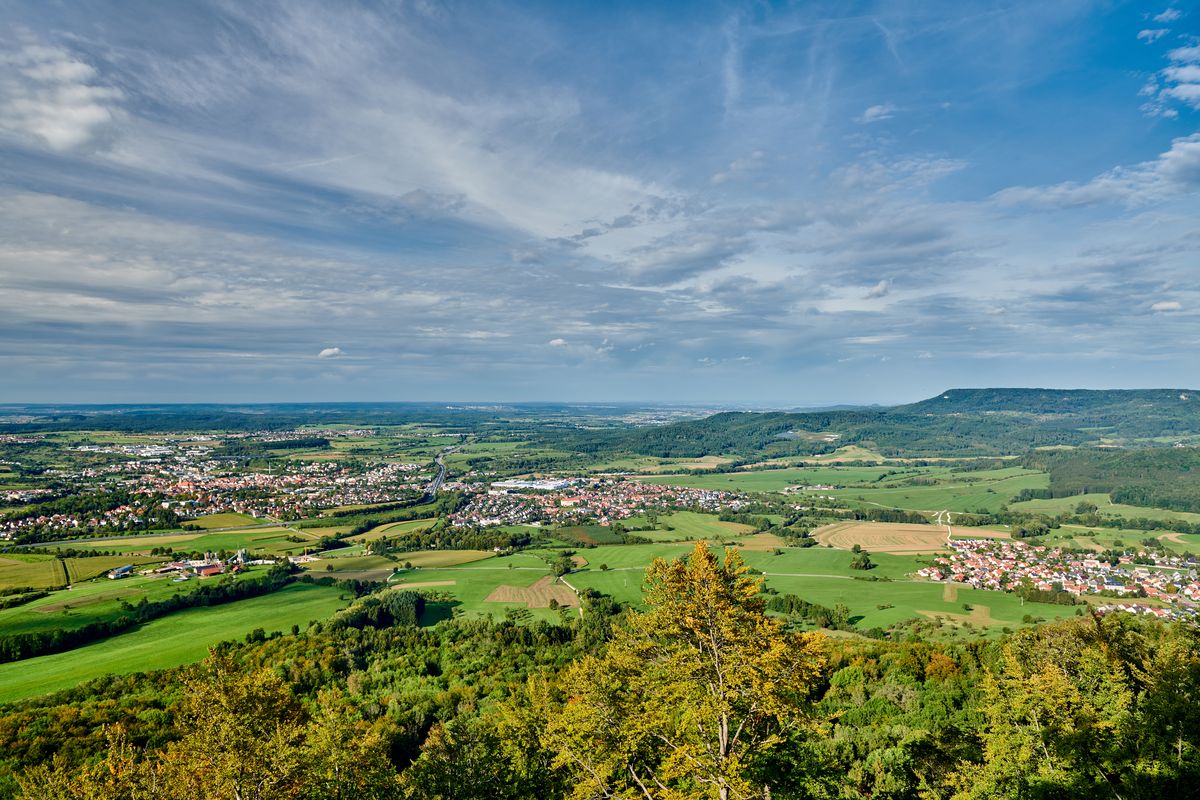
[
  {"x": 1007, "y": 565},
  {"x": 602, "y": 500}
]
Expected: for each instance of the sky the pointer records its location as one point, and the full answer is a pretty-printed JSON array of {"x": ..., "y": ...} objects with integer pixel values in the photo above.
[{"x": 758, "y": 204}]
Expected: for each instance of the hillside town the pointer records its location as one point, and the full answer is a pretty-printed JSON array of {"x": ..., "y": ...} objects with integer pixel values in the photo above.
[{"x": 1008, "y": 565}]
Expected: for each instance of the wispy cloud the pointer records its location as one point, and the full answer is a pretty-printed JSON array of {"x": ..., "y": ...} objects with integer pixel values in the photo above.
[{"x": 878, "y": 113}]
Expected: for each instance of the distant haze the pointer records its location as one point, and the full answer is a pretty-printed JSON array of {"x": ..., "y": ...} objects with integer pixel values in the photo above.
[{"x": 725, "y": 204}]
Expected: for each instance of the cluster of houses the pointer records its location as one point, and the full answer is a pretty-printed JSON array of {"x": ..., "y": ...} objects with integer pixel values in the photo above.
[
  {"x": 604, "y": 500},
  {"x": 120, "y": 518},
  {"x": 1006, "y": 565},
  {"x": 208, "y": 567}
]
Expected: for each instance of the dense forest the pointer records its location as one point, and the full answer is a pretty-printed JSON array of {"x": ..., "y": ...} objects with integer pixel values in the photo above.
[
  {"x": 701, "y": 695},
  {"x": 1160, "y": 477}
]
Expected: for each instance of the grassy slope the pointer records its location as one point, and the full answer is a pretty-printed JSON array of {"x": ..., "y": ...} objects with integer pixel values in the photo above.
[
  {"x": 168, "y": 642},
  {"x": 93, "y": 601},
  {"x": 988, "y": 495}
]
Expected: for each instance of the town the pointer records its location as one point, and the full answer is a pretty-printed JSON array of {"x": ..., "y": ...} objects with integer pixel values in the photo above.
[{"x": 1014, "y": 566}]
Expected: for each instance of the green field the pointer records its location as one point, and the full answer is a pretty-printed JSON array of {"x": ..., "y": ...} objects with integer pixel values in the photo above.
[
  {"x": 394, "y": 529},
  {"x": 822, "y": 575},
  {"x": 684, "y": 525},
  {"x": 95, "y": 600},
  {"x": 472, "y": 583},
  {"x": 983, "y": 491},
  {"x": 168, "y": 642},
  {"x": 343, "y": 564},
  {"x": 43, "y": 572},
  {"x": 229, "y": 520},
  {"x": 258, "y": 541},
  {"x": 773, "y": 480},
  {"x": 818, "y": 574},
  {"x": 39, "y": 572}
]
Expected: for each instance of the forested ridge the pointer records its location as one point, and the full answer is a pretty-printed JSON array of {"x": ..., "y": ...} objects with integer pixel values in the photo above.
[
  {"x": 701, "y": 695},
  {"x": 962, "y": 422},
  {"x": 1160, "y": 477}
]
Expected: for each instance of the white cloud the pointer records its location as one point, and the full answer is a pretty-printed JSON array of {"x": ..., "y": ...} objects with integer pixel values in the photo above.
[
  {"x": 1170, "y": 15},
  {"x": 878, "y": 113},
  {"x": 331, "y": 352},
  {"x": 1167, "y": 306},
  {"x": 1152, "y": 35},
  {"x": 49, "y": 95},
  {"x": 880, "y": 289},
  {"x": 557, "y": 342},
  {"x": 1177, "y": 170}
]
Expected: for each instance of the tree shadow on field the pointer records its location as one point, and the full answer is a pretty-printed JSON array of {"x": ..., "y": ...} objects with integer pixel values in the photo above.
[{"x": 438, "y": 610}]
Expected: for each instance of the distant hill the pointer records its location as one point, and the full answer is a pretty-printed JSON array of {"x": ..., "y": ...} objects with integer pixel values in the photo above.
[
  {"x": 963, "y": 422},
  {"x": 1167, "y": 402}
]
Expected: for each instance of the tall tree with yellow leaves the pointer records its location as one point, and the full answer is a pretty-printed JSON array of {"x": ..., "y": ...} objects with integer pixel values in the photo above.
[{"x": 691, "y": 695}]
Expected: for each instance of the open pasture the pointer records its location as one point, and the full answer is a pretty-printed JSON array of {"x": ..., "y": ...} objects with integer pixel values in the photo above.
[
  {"x": 380, "y": 568},
  {"x": 472, "y": 584},
  {"x": 168, "y": 642},
  {"x": 82, "y": 569},
  {"x": 879, "y": 597},
  {"x": 44, "y": 572},
  {"x": 443, "y": 558}
]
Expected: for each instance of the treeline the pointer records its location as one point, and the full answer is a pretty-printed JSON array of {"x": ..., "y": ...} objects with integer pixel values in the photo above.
[
  {"x": 253, "y": 448},
  {"x": 450, "y": 537},
  {"x": 377, "y": 509},
  {"x": 14, "y": 600},
  {"x": 17, "y": 646},
  {"x": 888, "y": 515}
]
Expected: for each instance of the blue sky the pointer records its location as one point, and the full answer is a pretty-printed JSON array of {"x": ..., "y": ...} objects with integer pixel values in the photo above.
[{"x": 718, "y": 203}]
